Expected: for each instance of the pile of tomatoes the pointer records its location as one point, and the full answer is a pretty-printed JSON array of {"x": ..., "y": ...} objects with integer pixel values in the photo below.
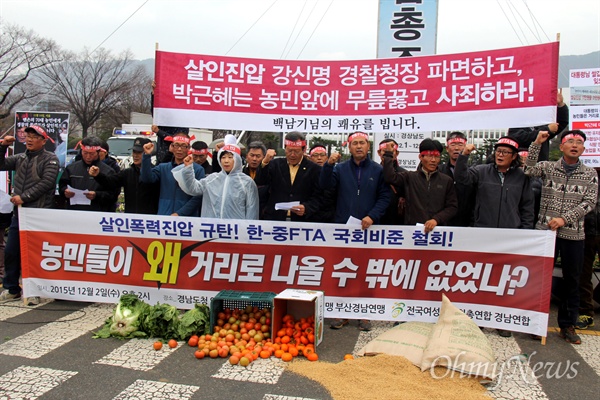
[
  {"x": 244, "y": 335},
  {"x": 296, "y": 338}
]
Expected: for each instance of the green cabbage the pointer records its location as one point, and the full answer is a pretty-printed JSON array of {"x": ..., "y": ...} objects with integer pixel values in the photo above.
[
  {"x": 127, "y": 318},
  {"x": 194, "y": 321},
  {"x": 133, "y": 318}
]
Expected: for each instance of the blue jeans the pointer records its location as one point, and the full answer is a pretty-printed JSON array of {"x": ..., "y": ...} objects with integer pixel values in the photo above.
[
  {"x": 12, "y": 258},
  {"x": 571, "y": 260}
]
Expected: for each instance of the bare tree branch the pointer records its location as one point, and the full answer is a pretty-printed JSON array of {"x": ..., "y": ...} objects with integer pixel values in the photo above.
[
  {"x": 92, "y": 85},
  {"x": 22, "y": 53}
]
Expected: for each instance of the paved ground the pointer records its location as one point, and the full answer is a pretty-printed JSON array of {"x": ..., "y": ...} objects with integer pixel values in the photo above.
[{"x": 47, "y": 352}]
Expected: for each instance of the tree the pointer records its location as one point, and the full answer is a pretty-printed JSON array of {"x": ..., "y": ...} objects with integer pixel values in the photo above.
[
  {"x": 92, "y": 84},
  {"x": 22, "y": 53},
  {"x": 136, "y": 99},
  {"x": 481, "y": 154}
]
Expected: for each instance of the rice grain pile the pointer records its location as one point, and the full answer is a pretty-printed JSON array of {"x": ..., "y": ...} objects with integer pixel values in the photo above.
[{"x": 387, "y": 377}]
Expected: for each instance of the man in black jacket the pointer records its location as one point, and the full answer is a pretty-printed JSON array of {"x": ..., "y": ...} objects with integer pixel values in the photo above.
[
  {"x": 76, "y": 175},
  {"x": 455, "y": 143},
  {"x": 293, "y": 178},
  {"x": 33, "y": 186},
  {"x": 140, "y": 197},
  {"x": 591, "y": 248},
  {"x": 254, "y": 156}
]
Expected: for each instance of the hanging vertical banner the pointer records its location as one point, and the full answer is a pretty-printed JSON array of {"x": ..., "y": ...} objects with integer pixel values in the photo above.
[
  {"x": 56, "y": 125},
  {"x": 407, "y": 28},
  {"x": 585, "y": 110}
]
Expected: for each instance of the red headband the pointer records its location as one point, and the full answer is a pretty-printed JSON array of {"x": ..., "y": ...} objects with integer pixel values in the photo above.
[
  {"x": 571, "y": 136},
  {"x": 40, "y": 131},
  {"x": 91, "y": 148},
  {"x": 179, "y": 138},
  {"x": 429, "y": 153},
  {"x": 357, "y": 135},
  {"x": 456, "y": 140},
  {"x": 523, "y": 153},
  {"x": 297, "y": 143},
  {"x": 508, "y": 142},
  {"x": 383, "y": 146},
  {"x": 198, "y": 152},
  {"x": 320, "y": 149},
  {"x": 232, "y": 149}
]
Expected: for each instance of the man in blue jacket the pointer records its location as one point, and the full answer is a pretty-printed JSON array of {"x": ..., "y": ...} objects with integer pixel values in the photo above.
[
  {"x": 172, "y": 200},
  {"x": 361, "y": 192}
]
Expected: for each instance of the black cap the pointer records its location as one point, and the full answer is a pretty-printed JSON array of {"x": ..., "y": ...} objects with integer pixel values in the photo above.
[{"x": 138, "y": 144}]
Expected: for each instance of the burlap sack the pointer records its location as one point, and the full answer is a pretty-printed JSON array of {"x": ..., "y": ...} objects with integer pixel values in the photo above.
[
  {"x": 457, "y": 343},
  {"x": 407, "y": 340}
]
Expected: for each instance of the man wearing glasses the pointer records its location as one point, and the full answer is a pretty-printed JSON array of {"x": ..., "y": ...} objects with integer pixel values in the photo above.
[
  {"x": 430, "y": 194},
  {"x": 172, "y": 200},
  {"x": 569, "y": 192},
  {"x": 503, "y": 194},
  {"x": 33, "y": 186}
]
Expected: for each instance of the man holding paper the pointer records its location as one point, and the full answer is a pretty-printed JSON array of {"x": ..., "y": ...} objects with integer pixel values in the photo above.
[
  {"x": 33, "y": 186},
  {"x": 76, "y": 176},
  {"x": 293, "y": 178}
]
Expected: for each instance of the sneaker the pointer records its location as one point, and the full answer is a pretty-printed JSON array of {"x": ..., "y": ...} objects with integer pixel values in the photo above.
[
  {"x": 338, "y": 323},
  {"x": 569, "y": 335},
  {"x": 364, "y": 325},
  {"x": 584, "y": 322},
  {"x": 7, "y": 296},
  {"x": 32, "y": 301},
  {"x": 504, "y": 333}
]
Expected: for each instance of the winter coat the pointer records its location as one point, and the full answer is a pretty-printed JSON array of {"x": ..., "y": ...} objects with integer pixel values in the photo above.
[
  {"x": 171, "y": 199},
  {"x": 35, "y": 176},
  {"x": 226, "y": 196},
  {"x": 76, "y": 175},
  {"x": 567, "y": 197},
  {"x": 499, "y": 203},
  {"x": 305, "y": 189},
  {"x": 465, "y": 197},
  {"x": 361, "y": 191},
  {"x": 427, "y": 197},
  {"x": 140, "y": 197}
]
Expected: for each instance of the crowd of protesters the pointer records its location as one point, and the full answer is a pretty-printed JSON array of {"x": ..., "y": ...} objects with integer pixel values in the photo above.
[{"x": 503, "y": 193}]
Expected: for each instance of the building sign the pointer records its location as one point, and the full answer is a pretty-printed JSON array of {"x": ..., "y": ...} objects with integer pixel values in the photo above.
[{"x": 407, "y": 28}]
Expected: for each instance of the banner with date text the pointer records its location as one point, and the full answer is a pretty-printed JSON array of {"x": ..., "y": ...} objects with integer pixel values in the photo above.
[
  {"x": 500, "y": 277},
  {"x": 486, "y": 89}
]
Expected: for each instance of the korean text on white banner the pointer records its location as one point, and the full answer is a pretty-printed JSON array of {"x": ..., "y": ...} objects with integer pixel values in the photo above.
[
  {"x": 500, "y": 277},
  {"x": 585, "y": 110},
  {"x": 507, "y": 87}
]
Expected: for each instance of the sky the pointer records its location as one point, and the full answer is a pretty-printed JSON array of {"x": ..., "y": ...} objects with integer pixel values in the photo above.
[{"x": 297, "y": 29}]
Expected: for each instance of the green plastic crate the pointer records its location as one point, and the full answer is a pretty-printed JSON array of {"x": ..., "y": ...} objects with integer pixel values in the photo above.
[{"x": 237, "y": 299}]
